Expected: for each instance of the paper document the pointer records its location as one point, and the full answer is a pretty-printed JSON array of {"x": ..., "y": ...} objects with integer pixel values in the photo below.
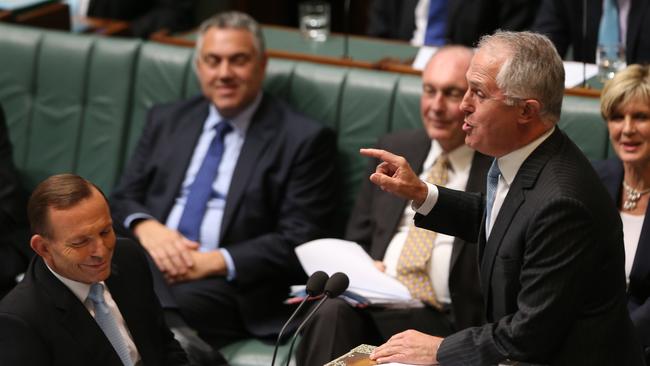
[
  {"x": 335, "y": 255},
  {"x": 575, "y": 73}
]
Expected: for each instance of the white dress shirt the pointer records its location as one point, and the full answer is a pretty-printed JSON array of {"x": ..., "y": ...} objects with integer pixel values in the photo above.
[{"x": 460, "y": 161}]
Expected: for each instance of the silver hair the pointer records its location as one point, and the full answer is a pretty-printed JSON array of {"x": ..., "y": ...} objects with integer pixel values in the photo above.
[
  {"x": 532, "y": 70},
  {"x": 231, "y": 20}
]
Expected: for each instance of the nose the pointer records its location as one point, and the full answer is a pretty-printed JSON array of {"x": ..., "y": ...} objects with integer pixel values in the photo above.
[
  {"x": 466, "y": 104},
  {"x": 224, "y": 69},
  {"x": 438, "y": 102},
  {"x": 629, "y": 127}
]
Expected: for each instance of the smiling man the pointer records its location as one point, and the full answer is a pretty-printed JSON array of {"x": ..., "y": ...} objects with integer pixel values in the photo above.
[
  {"x": 52, "y": 316},
  {"x": 222, "y": 187}
]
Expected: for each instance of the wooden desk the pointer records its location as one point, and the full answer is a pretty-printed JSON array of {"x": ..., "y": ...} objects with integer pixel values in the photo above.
[
  {"x": 288, "y": 43},
  {"x": 48, "y": 14}
]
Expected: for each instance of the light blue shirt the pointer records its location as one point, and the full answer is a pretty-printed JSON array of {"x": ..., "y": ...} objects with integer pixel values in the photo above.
[{"x": 233, "y": 142}]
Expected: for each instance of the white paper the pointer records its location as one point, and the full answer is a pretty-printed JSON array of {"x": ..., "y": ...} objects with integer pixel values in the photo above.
[
  {"x": 335, "y": 255},
  {"x": 574, "y": 73},
  {"x": 423, "y": 56}
]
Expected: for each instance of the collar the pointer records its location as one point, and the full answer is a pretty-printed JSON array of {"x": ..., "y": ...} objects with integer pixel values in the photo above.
[
  {"x": 460, "y": 158},
  {"x": 510, "y": 163},
  {"x": 79, "y": 289},
  {"x": 239, "y": 123}
]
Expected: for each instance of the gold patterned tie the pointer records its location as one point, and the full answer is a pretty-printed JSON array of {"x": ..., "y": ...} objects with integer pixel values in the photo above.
[{"x": 412, "y": 266}]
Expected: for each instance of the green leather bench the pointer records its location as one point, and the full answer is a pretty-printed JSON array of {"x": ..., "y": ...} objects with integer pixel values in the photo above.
[{"x": 77, "y": 103}]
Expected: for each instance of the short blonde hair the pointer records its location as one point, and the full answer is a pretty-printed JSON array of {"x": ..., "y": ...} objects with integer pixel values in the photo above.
[{"x": 632, "y": 83}]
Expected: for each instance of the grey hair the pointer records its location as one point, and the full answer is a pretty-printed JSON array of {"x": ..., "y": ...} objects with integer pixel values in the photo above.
[
  {"x": 231, "y": 20},
  {"x": 532, "y": 70}
]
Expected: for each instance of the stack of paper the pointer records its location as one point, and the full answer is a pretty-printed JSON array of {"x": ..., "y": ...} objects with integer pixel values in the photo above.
[{"x": 368, "y": 285}]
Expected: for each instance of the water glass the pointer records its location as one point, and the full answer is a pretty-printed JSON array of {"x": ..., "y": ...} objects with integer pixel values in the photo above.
[
  {"x": 314, "y": 20},
  {"x": 610, "y": 59}
]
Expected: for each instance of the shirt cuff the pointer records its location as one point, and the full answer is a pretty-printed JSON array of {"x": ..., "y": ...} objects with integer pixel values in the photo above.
[
  {"x": 429, "y": 202},
  {"x": 135, "y": 216},
  {"x": 230, "y": 264}
]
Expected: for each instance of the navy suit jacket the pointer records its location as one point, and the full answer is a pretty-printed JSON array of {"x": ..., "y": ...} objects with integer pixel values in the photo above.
[
  {"x": 552, "y": 270},
  {"x": 14, "y": 249},
  {"x": 377, "y": 214},
  {"x": 282, "y": 194},
  {"x": 43, "y": 323},
  {"x": 611, "y": 173},
  {"x": 561, "y": 21}
]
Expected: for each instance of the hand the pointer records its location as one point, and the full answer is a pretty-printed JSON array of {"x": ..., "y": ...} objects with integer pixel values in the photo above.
[
  {"x": 410, "y": 347},
  {"x": 169, "y": 249},
  {"x": 206, "y": 264},
  {"x": 395, "y": 175},
  {"x": 380, "y": 266}
]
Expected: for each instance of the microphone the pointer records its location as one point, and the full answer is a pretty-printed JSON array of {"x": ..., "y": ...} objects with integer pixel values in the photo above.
[
  {"x": 334, "y": 287},
  {"x": 315, "y": 286},
  {"x": 346, "y": 17}
]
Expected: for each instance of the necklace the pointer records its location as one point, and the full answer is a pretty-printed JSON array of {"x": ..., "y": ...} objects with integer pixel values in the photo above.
[{"x": 632, "y": 196}]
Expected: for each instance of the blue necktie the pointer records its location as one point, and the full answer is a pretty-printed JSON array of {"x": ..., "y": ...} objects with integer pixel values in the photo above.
[
  {"x": 107, "y": 323},
  {"x": 608, "y": 32},
  {"x": 436, "y": 23},
  {"x": 492, "y": 182},
  {"x": 201, "y": 189}
]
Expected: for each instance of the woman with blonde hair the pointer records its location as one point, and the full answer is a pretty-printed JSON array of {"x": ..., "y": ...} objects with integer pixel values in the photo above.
[{"x": 625, "y": 105}]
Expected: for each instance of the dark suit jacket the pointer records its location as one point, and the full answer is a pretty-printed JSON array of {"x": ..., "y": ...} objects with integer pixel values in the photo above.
[
  {"x": 561, "y": 21},
  {"x": 146, "y": 16},
  {"x": 467, "y": 20},
  {"x": 281, "y": 195},
  {"x": 552, "y": 270},
  {"x": 376, "y": 217},
  {"x": 611, "y": 174},
  {"x": 14, "y": 248},
  {"x": 43, "y": 323}
]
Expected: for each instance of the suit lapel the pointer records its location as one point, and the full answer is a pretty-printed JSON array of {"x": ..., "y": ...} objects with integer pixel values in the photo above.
[
  {"x": 260, "y": 133},
  {"x": 414, "y": 149},
  {"x": 185, "y": 136},
  {"x": 524, "y": 180},
  {"x": 76, "y": 319}
]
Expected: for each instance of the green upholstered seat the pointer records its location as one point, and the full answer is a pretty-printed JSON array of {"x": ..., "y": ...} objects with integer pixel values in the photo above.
[{"x": 77, "y": 103}]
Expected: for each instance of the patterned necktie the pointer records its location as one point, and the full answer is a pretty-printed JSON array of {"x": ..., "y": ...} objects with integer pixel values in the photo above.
[
  {"x": 201, "y": 189},
  {"x": 412, "y": 268},
  {"x": 107, "y": 323},
  {"x": 492, "y": 182},
  {"x": 608, "y": 31}
]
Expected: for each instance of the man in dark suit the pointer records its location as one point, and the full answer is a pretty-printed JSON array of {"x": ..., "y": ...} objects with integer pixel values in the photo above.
[
  {"x": 549, "y": 238},
  {"x": 562, "y": 22},
  {"x": 50, "y": 319},
  {"x": 466, "y": 21},
  {"x": 380, "y": 222},
  {"x": 14, "y": 251},
  {"x": 146, "y": 16},
  {"x": 229, "y": 268}
]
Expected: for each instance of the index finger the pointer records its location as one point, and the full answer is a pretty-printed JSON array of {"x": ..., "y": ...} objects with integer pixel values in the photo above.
[{"x": 381, "y": 155}]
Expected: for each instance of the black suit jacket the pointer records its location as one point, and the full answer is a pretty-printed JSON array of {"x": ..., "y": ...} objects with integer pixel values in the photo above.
[
  {"x": 638, "y": 291},
  {"x": 43, "y": 323},
  {"x": 146, "y": 16},
  {"x": 281, "y": 195},
  {"x": 552, "y": 270},
  {"x": 14, "y": 248},
  {"x": 376, "y": 217},
  {"x": 467, "y": 20},
  {"x": 561, "y": 21}
]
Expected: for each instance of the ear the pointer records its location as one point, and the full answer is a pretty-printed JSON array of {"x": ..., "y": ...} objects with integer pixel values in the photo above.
[
  {"x": 40, "y": 245},
  {"x": 530, "y": 111}
]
